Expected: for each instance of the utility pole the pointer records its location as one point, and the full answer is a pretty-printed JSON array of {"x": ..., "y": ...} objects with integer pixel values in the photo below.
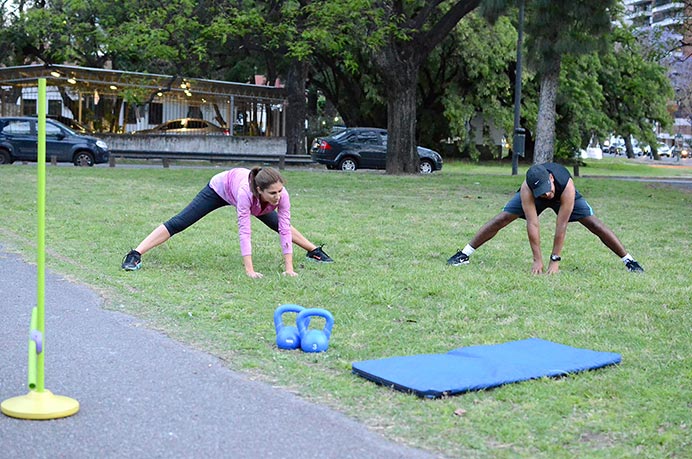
[{"x": 518, "y": 144}]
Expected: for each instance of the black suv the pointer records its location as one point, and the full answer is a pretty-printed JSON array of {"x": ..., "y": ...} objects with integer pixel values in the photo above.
[
  {"x": 19, "y": 142},
  {"x": 364, "y": 148}
]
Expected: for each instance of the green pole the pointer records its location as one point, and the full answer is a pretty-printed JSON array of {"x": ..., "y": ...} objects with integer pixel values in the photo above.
[
  {"x": 31, "y": 377},
  {"x": 41, "y": 206},
  {"x": 39, "y": 403}
]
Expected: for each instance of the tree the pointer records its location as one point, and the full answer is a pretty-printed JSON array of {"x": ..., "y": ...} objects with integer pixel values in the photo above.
[
  {"x": 469, "y": 73},
  {"x": 396, "y": 37},
  {"x": 557, "y": 28},
  {"x": 283, "y": 35},
  {"x": 636, "y": 91},
  {"x": 579, "y": 105},
  {"x": 411, "y": 30}
]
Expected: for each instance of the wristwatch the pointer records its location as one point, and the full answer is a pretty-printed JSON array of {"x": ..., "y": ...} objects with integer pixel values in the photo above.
[{"x": 554, "y": 257}]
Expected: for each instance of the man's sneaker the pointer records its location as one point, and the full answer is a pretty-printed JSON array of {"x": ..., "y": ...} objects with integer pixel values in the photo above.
[
  {"x": 458, "y": 259},
  {"x": 318, "y": 255},
  {"x": 132, "y": 261},
  {"x": 633, "y": 266}
]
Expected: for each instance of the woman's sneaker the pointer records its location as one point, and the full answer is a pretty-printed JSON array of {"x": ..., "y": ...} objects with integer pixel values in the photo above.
[
  {"x": 317, "y": 254},
  {"x": 132, "y": 261}
]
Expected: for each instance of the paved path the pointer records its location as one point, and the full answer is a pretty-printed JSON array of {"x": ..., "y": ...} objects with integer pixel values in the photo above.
[{"x": 143, "y": 395}]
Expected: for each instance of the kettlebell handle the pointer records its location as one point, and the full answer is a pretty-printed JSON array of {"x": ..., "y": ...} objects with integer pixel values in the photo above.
[
  {"x": 303, "y": 320},
  {"x": 281, "y": 310}
]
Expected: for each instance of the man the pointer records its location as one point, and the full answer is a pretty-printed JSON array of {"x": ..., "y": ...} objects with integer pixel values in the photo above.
[{"x": 546, "y": 185}]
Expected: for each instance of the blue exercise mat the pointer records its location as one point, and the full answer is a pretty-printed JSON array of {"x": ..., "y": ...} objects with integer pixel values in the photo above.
[{"x": 481, "y": 367}]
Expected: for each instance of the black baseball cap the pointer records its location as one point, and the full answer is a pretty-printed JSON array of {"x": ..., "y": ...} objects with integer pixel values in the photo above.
[{"x": 538, "y": 179}]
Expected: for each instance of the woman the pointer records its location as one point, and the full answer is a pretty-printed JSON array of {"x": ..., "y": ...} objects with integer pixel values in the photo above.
[{"x": 258, "y": 192}]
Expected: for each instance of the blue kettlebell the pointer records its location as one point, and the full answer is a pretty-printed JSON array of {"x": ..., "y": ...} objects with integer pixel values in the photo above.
[
  {"x": 314, "y": 340},
  {"x": 287, "y": 337}
]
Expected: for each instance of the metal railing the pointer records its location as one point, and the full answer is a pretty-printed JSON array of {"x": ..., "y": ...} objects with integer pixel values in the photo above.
[{"x": 167, "y": 156}]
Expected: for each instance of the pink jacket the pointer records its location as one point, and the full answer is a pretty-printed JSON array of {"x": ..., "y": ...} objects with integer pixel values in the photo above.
[{"x": 234, "y": 188}]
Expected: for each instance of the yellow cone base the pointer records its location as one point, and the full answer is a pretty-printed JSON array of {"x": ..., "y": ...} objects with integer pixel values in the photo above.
[{"x": 40, "y": 405}]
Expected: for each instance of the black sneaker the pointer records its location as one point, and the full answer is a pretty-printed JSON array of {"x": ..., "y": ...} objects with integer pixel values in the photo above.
[
  {"x": 458, "y": 259},
  {"x": 132, "y": 261},
  {"x": 318, "y": 255},
  {"x": 634, "y": 267}
]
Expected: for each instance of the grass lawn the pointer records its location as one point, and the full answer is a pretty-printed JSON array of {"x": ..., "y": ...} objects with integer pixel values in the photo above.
[{"x": 392, "y": 293}]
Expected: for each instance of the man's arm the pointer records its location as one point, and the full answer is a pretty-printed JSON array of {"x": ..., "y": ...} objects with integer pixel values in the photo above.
[
  {"x": 528, "y": 204},
  {"x": 566, "y": 207}
]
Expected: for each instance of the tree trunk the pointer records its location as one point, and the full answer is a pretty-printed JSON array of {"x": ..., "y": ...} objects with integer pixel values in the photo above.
[
  {"x": 544, "y": 148},
  {"x": 400, "y": 75},
  {"x": 296, "y": 111},
  {"x": 402, "y": 155},
  {"x": 629, "y": 151}
]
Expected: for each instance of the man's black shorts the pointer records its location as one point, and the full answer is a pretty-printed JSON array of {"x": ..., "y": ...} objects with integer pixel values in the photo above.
[{"x": 581, "y": 207}]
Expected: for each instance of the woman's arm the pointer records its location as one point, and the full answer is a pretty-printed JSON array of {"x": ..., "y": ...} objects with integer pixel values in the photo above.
[
  {"x": 288, "y": 265},
  {"x": 243, "y": 207},
  {"x": 249, "y": 270}
]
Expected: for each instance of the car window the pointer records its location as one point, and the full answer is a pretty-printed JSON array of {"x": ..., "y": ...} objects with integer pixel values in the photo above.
[
  {"x": 17, "y": 127},
  {"x": 370, "y": 138},
  {"x": 173, "y": 125},
  {"x": 52, "y": 129},
  {"x": 196, "y": 124},
  {"x": 342, "y": 135}
]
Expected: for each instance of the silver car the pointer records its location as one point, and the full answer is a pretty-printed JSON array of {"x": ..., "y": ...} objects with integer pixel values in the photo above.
[{"x": 193, "y": 126}]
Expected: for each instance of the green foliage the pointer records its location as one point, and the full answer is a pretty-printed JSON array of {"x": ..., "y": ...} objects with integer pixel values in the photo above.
[
  {"x": 556, "y": 28},
  {"x": 476, "y": 74},
  {"x": 470, "y": 73},
  {"x": 636, "y": 91},
  {"x": 579, "y": 105},
  {"x": 392, "y": 294}
]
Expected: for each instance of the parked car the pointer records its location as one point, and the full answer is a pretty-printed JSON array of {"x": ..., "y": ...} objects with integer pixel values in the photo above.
[
  {"x": 615, "y": 149},
  {"x": 186, "y": 126},
  {"x": 664, "y": 150},
  {"x": 19, "y": 142},
  {"x": 73, "y": 124},
  {"x": 364, "y": 148}
]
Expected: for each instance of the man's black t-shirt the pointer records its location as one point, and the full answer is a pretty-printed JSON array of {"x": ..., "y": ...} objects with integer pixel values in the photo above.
[{"x": 561, "y": 177}]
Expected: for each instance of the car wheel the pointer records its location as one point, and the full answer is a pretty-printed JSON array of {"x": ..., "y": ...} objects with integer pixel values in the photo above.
[
  {"x": 348, "y": 164},
  {"x": 426, "y": 167},
  {"x": 5, "y": 157},
  {"x": 83, "y": 158}
]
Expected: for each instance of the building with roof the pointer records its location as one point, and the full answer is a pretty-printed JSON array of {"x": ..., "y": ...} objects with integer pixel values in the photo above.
[
  {"x": 675, "y": 16},
  {"x": 113, "y": 101}
]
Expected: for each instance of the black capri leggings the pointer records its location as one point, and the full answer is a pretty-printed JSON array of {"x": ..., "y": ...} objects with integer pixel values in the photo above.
[{"x": 205, "y": 202}]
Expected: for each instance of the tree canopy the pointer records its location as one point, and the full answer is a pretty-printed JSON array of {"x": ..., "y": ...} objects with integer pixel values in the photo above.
[{"x": 423, "y": 69}]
